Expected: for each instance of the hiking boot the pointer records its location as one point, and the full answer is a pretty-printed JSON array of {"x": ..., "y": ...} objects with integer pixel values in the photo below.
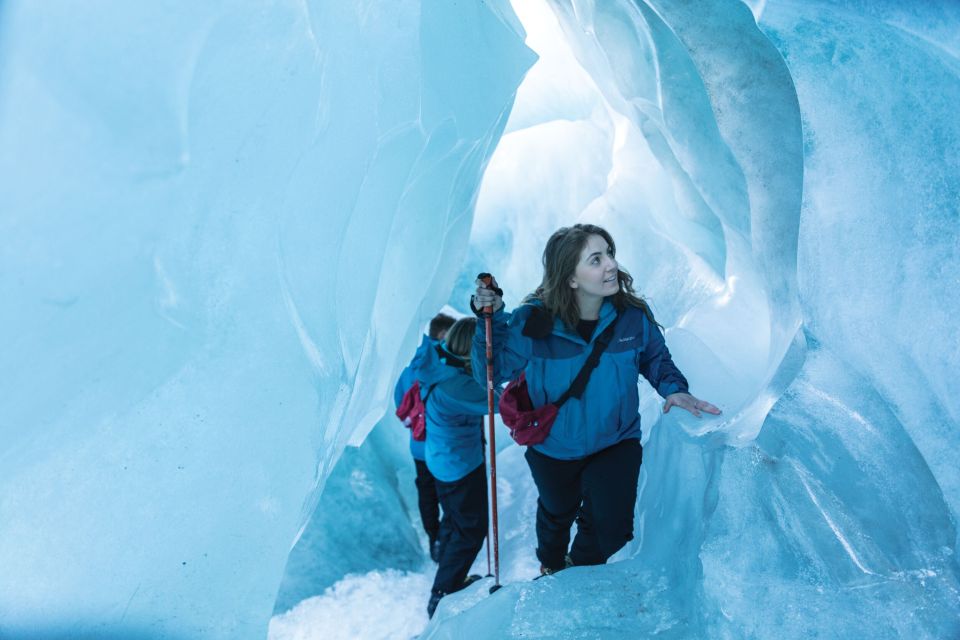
[
  {"x": 435, "y": 597},
  {"x": 548, "y": 571},
  {"x": 469, "y": 580}
]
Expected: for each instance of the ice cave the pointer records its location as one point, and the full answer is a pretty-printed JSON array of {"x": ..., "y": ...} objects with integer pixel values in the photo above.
[{"x": 224, "y": 227}]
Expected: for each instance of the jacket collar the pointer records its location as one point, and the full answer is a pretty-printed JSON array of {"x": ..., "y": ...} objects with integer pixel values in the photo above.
[
  {"x": 438, "y": 366},
  {"x": 607, "y": 313}
]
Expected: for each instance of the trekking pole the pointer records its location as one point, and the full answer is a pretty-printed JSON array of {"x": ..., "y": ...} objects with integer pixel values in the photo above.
[
  {"x": 487, "y": 280},
  {"x": 486, "y": 542}
]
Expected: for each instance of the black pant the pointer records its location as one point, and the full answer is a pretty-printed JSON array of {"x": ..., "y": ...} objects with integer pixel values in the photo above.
[
  {"x": 462, "y": 529},
  {"x": 427, "y": 500},
  {"x": 599, "y": 491}
]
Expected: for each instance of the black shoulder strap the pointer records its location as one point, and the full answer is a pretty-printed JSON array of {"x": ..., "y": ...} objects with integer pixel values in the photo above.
[
  {"x": 427, "y": 397},
  {"x": 579, "y": 383}
]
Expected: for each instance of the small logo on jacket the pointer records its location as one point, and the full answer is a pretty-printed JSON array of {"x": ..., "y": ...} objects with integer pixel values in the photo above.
[{"x": 626, "y": 339}]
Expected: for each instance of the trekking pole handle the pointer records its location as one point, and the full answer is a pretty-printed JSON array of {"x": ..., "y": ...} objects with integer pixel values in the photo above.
[{"x": 487, "y": 279}]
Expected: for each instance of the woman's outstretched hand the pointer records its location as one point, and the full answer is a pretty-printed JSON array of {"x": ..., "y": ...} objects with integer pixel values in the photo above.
[{"x": 690, "y": 403}]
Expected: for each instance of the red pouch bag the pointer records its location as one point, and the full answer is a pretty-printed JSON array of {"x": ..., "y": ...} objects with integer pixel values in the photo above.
[
  {"x": 531, "y": 425},
  {"x": 412, "y": 411},
  {"x": 527, "y": 424}
]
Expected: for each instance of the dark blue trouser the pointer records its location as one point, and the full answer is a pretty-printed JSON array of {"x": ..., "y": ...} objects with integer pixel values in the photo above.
[
  {"x": 599, "y": 492},
  {"x": 462, "y": 529},
  {"x": 427, "y": 500}
]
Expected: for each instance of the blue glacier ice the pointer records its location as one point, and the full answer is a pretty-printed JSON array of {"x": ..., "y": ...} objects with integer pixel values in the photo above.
[
  {"x": 222, "y": 223},
  {"x": 224, "y": 227}
]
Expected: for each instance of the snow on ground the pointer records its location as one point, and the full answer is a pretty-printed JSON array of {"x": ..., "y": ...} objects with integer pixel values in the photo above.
[{"x": 377, "y": 605}]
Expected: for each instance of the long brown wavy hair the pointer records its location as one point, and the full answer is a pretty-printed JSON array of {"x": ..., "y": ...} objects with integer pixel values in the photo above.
[{"x": 560, "y": 258}]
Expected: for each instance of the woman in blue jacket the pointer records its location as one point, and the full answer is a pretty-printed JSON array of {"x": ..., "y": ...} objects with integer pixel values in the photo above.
[
  {"x": 587, "y": 467},
  {"x": 455, "y": 406}
]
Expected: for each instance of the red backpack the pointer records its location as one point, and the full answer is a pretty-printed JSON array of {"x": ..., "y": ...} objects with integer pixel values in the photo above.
[{"x": 412, "y": 411}]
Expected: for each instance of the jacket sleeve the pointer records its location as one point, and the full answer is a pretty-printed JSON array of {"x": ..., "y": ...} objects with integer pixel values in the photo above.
[
  {"x": 657, "y": 366},
  {"x": 511, "y": 349}
]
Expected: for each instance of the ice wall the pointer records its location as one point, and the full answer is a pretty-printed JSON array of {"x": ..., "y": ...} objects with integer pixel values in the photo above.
[
  {"x": 880, "y": 239},
  {"x": 366, "y": 519},
  {"x": 220, "y": 225}
]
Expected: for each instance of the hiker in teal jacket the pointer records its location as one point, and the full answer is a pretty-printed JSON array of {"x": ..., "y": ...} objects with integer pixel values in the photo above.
[
  {"x": 587, "y": 467},
  {"x": 455, "y": 406},
  {"x": 427, "y": 500}
]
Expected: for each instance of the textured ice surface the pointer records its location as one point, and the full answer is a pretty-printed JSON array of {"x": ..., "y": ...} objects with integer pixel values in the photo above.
[
  {"x": 221, "y": 225},
  {"x": 880, "y": 233},
  {"x": 366, "y": 519}
]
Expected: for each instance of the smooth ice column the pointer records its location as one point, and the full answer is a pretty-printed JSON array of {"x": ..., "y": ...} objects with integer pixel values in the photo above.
[
  {"x": 880, "y": 241},
  {"x": 214, "y": 219},
  {"x": 833, "y": 510}
]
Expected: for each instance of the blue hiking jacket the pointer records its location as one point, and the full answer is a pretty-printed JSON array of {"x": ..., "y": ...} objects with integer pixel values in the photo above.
[
  {"x": 407, "y": 378},
  {"x": 608, "y": 411},
  {"x": 455, "y": 411}
]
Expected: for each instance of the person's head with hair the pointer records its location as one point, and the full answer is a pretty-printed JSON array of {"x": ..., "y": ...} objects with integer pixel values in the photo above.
[
  {"x": 459, "y": 340},
  {"x": 439, "y": 326},
  {"x": 581, "y": 261}
]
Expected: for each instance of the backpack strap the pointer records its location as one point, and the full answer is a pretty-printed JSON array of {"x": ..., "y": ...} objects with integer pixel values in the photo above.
[
  {"x": 579, "y": 384},
  {"x": 424, "y": 400}
]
